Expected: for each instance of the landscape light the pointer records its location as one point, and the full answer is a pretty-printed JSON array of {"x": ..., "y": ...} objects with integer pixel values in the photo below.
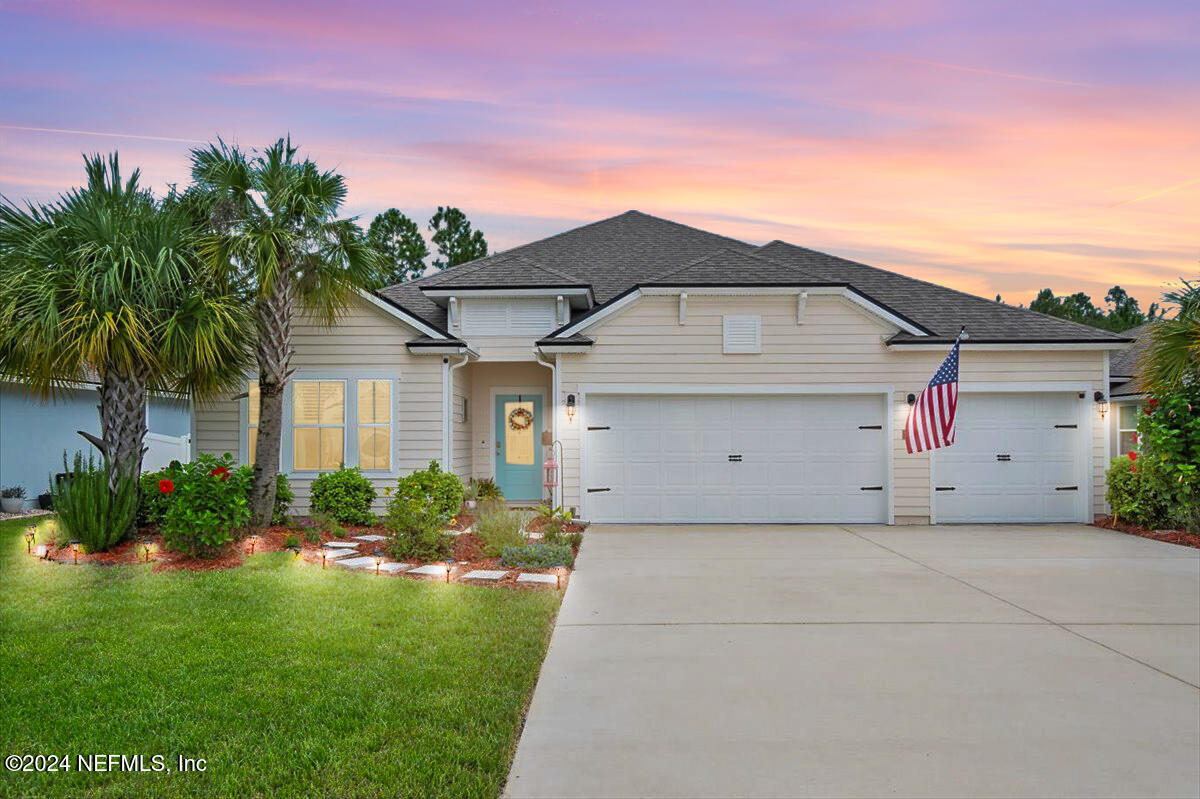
[
  {"x": 75, "y": 551},
  {"x": 558, "y": 575},
  {"x": 146, "y": 544},
  {"x": 30, "y": 534},
  {"x": 378, "y": 560},
  {"x": 295, "y": 552},
  {"x": 322, "y": 559},
  {"x": 253, "y": 542},
  {"x": 449, "y": 566}
]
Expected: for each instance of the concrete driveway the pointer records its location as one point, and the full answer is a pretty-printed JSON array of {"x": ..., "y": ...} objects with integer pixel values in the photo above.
[{"x": 723, "y": 661}]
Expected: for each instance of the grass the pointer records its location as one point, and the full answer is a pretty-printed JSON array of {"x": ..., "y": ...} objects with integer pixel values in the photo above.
[{"x": 288, "y": 680}]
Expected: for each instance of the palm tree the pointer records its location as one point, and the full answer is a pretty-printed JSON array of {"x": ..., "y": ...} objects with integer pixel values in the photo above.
[
  {"x": 105, "y": 282},
  {"x": 1173, "y": 358},
  {"x": 276, "y": 233}
]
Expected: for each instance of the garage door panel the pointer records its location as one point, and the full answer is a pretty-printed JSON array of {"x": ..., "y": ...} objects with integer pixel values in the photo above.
[
  {"x": 1040, "y": 458},
  {"x": 803, "y": 458}
]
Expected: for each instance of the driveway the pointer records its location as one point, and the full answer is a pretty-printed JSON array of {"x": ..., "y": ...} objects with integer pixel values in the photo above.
[{"x": 723, "y": 661}]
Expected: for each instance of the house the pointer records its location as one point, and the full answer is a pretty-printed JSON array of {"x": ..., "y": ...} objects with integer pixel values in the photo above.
[
  {"x": 35, "y": 433},
  {"x": 684, "y": 376},
  {"x": 1126, "y": 392}
]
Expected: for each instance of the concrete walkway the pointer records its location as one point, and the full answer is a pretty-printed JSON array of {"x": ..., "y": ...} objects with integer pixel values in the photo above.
[{"x": 724, "y": 661}]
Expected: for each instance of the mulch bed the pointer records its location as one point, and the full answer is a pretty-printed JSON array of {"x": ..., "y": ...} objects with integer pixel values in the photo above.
[
  {"x": 467, "y": 552},
  {"x": 536, "y": 525},
  {"x": 1169, "y": 536}
]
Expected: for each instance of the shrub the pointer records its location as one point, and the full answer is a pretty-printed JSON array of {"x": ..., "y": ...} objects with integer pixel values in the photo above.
[
  {"x": 291, "y": 541},
  {"x": 418, "y": 529},
  {"x": 433, "y": 486},
  {"x": 88, "y": 511},
  {"x": 325, "y": 521},
  {"x": 346, "y": 494},
  {"x": 470, "y": 491},
  {"x": 499, "y": 528},
  {"x": 14, "y": 492},
  {"x": 283, "y": 499},
  {"x": 1169, "y": 434},
  {"x": 1135, "y": 493},
  {"x": 538, "y": 556},
  {"x": 152, "y": 503},
  {"x": 486, "y": 489},
  {"x": 210, "y": 504}
]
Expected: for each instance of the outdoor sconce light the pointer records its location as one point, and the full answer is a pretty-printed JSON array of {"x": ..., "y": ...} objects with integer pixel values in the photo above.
[
  {"x": 570, "y": 407},
  {"x": 30, "y": 534},
  {"x": 253, "y": 542},
  {"x": 911, "y": 399},
  {"x": 1101, "y": 403},
  {"x": 449, "y": 566},
  {"x": 146, "y": 543},
  {"x": 378, "y": 560},
  {"x": 75, "y": 552}
]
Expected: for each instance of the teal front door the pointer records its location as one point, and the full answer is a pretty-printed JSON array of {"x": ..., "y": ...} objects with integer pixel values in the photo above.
[{"x": 519, "y": 446}]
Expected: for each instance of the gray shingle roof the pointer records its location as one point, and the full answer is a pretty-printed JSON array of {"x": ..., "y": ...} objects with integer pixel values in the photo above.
[
  {"x": 615, "y": 255},
  {"x": 1123, "y": 363}
]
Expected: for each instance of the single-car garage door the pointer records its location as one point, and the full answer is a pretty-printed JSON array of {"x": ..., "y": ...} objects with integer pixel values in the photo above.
[
  {"x": 1016, "y": 458},
  {"x": 807, "y": 458}
]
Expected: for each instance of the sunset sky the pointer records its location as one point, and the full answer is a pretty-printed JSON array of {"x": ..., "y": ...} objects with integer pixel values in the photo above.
[{"x": 997, "y": 147}]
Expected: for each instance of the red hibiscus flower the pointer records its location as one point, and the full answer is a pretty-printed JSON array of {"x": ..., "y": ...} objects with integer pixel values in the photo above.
[
  {"x": 1147, "y": 411},
  {"x": 1133, "y": 469},
  {"x": 1153, "y": 403},
  {"x": 166, "y": 486},
  {"x": 221, "y": 473},
  {"x": 1132, "y": 455}
]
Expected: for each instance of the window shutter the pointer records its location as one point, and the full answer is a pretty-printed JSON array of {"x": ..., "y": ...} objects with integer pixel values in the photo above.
[{"x": 742, "y": 334}]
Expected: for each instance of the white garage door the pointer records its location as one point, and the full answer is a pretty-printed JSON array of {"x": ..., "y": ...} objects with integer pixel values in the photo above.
[
  {"x": 815, "y": 458},
  {"x": 1016, "y": 458}
]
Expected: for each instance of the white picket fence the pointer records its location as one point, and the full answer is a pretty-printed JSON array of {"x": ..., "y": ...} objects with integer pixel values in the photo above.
[{"x": 161, "y": 450}]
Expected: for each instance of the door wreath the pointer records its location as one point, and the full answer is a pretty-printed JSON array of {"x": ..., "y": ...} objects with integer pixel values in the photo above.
[{"x": 520, "y": 419}]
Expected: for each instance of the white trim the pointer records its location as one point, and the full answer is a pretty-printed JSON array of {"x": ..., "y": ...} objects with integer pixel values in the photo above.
[
  {"x": 683, "y": 307},
  {"x": 448, "y": 404},
  {"x": 454, "y": 315},
  {"x": 702, "y": 388},
  {"x": 801, "y": 304},
  {"x": 552, "y": 348},
  {"x": 883, "y": 313},
  {"x": 446, "y": 411},
  {"x": 497, "y": 391},
  {"x": 556, "y": 398},
  {"x": 449, "y": 349},
  {"x": 403, "y": 316},
  {"x": 549, "y": 291},
  {"x": 739, "y": 291},
  {"x": 1111, "y": 424},
  {"x": 1021, "y": 387},
  {"x": 966, "y": 345},
  {"x": 887, "y": 391},
  {"x": 604, "y": 312}
]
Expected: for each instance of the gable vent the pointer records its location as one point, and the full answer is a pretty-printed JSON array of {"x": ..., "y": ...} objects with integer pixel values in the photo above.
[
  {"x": 507, "y": 316},
  {"x": 742, "y": 334}
]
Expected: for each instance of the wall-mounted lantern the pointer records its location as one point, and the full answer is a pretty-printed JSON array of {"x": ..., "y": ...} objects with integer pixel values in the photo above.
[
  {"x": 570, "y": 407},
  {"x": 1101, "y": 403},
  {"x": 911, "y": 399}
]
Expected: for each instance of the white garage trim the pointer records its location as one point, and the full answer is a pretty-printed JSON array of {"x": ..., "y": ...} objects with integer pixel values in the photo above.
[
  {"x": 1084, "y": 420},
  {"x": 887, "y": 391}
]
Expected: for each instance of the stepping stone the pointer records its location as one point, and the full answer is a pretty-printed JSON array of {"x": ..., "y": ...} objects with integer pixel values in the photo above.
[
  {"x": 357, "y": 563},
  {"x": 340, "y": 552},
  {"x": 371, "y": 537},
  {"x": 393, "y": 567},
  {"x": 548, "y": 579},
  {"x": 483, "y": 574},
  {"x": 432, "y": 569},
  {"x": 341, "y": 543}
]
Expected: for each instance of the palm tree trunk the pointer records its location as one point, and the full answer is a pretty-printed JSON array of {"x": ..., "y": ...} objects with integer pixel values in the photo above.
[
  {"x": 274, "y": 350},
  {"x": 123, "y": 422}
]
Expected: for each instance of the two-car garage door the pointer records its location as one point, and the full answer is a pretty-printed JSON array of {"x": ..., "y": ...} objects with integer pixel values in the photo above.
[
  {"x": 810, "y": 458},
  {"x": 1018, "y": 457}
]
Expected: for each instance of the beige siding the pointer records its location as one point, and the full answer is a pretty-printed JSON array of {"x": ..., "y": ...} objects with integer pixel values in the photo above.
[
  {"x": 838, "y": 343},
  {"x": 460, "y": 456},
  {"x": 365, "y": 339}
]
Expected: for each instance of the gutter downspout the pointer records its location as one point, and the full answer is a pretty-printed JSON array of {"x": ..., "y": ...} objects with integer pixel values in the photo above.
[
  {"x": 556, "y": 492},
  {"x": 448, "y": 410}
]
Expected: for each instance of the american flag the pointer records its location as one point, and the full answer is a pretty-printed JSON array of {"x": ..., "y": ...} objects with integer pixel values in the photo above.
[{"x": 931, "y": 419}]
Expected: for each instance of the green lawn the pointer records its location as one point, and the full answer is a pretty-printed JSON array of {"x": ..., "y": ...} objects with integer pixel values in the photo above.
[{"x": 288, "y": 680}]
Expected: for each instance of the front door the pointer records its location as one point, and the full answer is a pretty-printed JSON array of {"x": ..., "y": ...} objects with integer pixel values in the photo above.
[{"x": 519, "y": 446}]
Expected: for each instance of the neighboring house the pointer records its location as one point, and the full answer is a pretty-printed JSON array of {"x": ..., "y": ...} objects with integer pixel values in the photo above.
[
  {"x": 1127, "y": 393},
  {"x": 34, "y": 433},
  {"x": 691, "y": 377}
]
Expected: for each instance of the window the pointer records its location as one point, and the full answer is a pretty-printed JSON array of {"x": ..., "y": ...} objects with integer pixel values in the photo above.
[
  {"x": 1127, "y": 419},
  {"x": 375, "y": 424},
  {"x": 742, "y": 333},
  {"x": 318, "y": 424},
  {"x": 252, "y": 420}
]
